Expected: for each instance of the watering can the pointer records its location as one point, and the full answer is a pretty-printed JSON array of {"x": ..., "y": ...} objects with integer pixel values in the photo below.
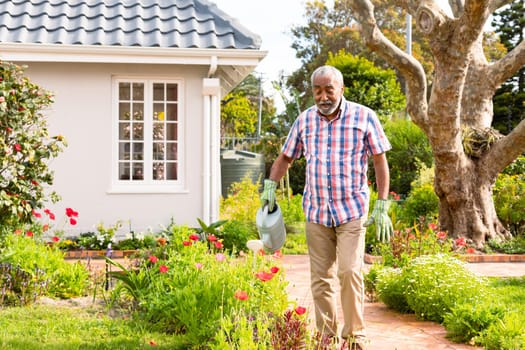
[{"x": 271, "y": 227}]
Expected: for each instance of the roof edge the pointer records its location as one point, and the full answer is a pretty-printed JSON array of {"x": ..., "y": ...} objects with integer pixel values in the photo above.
[{"x": 119, "y": 54}]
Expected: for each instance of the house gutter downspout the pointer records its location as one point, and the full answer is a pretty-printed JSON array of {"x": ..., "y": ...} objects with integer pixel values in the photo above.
[{"x": 211, "y": 138}]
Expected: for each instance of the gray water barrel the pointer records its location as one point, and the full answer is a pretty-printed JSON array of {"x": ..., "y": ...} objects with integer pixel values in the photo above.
[{"x": 237, "y": 164}]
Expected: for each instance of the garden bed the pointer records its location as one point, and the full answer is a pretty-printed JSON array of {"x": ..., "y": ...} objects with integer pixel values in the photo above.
[
  {"x": 470, "y": 258},
  {"x": 99, "y": 254}
]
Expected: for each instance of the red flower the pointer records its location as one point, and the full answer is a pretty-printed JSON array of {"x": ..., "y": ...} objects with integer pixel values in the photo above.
[
  {"x": 152, "y": 343},
  {"x": 29, "y": 234},
  {"x": 71, "y": 213},
  {"x": 274, "y": 269},
  {"x": 218, "y": 245},
  {"x": 34, "y": 182},
  {"x": 37, "y": 214},
  {"x": 194, "y": 237},
  {"x": 461, "y": 242},
  {"x": 163, "y": 269},
  {"x": 45, "y": 227},
  {"x": 162, "y": 241},
  {"x": 72, "y": 221},
  {"x": 264, "y": 276},
  {"x": 49, "y": 214},
  {"x": 55, "y": 239},
  {"x": 212, "y": 238},
  {"x": 441, "y": 235},
  {"x": 17, "y": 147},
  {"x": 470, "y": 250},
  {"x": 300, "y": 310},
  {"x": 153, "y": 259},
  {"x": 187, "y": 243},
  {"x": 241, "y": 295}
]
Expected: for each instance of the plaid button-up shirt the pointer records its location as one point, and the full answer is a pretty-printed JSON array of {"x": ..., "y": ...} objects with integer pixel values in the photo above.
[{"x": 337, "y": 151}]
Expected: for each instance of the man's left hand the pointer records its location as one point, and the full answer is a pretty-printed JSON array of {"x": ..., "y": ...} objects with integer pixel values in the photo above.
[{"x": 380, "y": 217}]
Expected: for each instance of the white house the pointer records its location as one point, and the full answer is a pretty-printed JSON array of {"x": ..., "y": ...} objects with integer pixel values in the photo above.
[{"x": 137, "y": 87}]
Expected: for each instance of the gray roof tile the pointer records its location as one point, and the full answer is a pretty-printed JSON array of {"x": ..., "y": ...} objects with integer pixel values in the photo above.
[{"x": 142, "y": 23}]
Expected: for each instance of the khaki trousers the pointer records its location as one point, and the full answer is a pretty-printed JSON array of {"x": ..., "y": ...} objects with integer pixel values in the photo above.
[{"x": 342, "y": 247}]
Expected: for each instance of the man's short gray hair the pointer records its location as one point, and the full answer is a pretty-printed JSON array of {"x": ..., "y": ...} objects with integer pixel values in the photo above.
[{"x": 328, "y": 70}]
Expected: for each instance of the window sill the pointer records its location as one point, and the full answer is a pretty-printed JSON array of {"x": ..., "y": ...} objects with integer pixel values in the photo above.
[{"x": 146, "y": 189}]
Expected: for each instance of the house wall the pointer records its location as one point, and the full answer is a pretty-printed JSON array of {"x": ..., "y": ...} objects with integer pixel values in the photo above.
[{"x": 82, "y": 113}]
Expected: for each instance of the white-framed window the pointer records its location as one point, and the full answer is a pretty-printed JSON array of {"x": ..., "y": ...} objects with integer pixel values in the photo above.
[{"x": 147, "y": 135}]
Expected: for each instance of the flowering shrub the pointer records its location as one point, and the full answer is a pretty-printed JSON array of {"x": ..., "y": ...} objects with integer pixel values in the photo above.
[
  {"x": 25, "y": 147},
  {"x": 190, "y": 287},
  {"x": 413, "y": 242}
]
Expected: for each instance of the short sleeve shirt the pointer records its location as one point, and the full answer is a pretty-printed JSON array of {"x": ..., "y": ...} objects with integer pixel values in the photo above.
[{"x": 336, "y": 151}]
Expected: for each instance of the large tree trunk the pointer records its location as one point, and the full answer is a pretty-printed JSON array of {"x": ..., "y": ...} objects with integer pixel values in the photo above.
[{"x": 460, "y": 101}]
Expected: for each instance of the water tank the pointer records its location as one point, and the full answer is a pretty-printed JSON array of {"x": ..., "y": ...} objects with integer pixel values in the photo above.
[{"x": 236, "y": 164}]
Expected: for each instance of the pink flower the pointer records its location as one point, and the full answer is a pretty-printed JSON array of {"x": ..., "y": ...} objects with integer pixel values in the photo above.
[
  {"x": 212, "y": 238},
  {"x": 36, "y": 214},
  {"x": 300, "y": 310},
  {"x": 55, "y": 239},
  {"x": 194, "y": 237},
  {"x": 461, "y": 242},
  {"x": 153, "y": 259},
  {"x": 441, "y": 235},
  {"x": 274, "y": 269},
  {"x": 18, "y": 232},
  {"x": 240, "y": 295},
  {"x": 264, "y": 276},
  {"x": 163, "y": 269},
  {"x": 198, "y": 266},
  {"x": 220, "y": 257},
  {"x": 433, "y": 226}
]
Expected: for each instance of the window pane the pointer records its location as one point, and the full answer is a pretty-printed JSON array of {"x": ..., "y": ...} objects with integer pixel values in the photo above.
[
  {"x": 138, "y": 131},
  {"x": 123, "y": 111},
  {"x": 158, "y": 151},
  {"x": 123, "y": 150},
  {"x": 138, "y": 111},
  {"x": 172, "y": 151},
  {"x": 123, "y": 171},
  {"x": 158, "y": 111},
  {"x": 138, "y": 171},
  {"x": 158, "y": 171},
  {"x": 158, "y": 92},
  {"x": 124, "y": 91},
  {"x": 158, "y": 131},
  {"x": 123, "y": 131},
  {"x": 172, "y": 132},
  {"x": 172, "y": 111},
  {"x": 171, "y": 92},
  {"x": 138, "y": 151},
  {"x": 138, "y": 91},
  {"x": 171, "y": 171}
]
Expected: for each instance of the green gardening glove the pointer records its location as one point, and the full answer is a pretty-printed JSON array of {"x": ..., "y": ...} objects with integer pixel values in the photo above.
[
  {"x": 268, "y": 194},
  {"x": 381, "y": 219}
]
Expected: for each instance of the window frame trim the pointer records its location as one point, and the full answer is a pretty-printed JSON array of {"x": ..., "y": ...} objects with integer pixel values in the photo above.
[{"x": 149, "y": 185}]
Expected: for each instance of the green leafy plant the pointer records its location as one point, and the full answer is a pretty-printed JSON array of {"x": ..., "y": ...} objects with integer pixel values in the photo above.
[
  {"x": 437, "y": 283},
  {"x": 26, "y": 147},
  {"x": 390, "y": 288},
  {"x": 509, "y": 201},
  {"x": 20, "y": 288},
  {"x": 465, "y": 323}
]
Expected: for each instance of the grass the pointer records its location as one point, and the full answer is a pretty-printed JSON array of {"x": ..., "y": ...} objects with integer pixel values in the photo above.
[
  {"x": 511, "y": 293},
  {"x": 46, "y": 327}
]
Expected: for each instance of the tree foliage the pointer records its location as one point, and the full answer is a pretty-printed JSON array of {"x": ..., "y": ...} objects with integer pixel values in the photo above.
[
  {"x": 369, "y": 85},
  {"x": 26, "y": 146},
  {"x": 509, "y": 100}
]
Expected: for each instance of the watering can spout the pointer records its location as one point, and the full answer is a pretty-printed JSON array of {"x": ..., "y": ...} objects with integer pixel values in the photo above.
[{"x": 271, "y": 227}]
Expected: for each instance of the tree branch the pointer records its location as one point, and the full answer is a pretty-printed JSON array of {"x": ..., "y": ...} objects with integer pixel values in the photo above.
[
  {"x": 407, "y": 65},
  {"x": 496, "y": 4},
  {"x": 457, "y": 7},
  {"x": 507, "y": 66},
  {"x": 506, "y": 150},
  {"x": 474, "y": 16}
]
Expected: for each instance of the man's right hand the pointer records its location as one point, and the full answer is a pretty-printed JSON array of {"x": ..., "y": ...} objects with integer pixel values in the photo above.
[{"x": 268, "y": 194}]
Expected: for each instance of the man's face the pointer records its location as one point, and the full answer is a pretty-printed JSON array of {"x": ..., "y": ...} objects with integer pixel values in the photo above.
[{"x": 327, "y": 94}]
